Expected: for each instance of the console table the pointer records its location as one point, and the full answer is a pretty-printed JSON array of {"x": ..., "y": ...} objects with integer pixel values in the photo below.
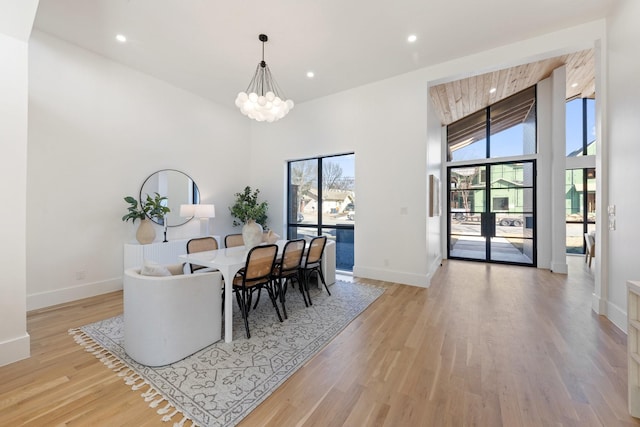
[{"x": 163, "y": 253}]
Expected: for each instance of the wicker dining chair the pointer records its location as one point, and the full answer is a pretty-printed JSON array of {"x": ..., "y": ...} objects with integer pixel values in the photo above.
[
  {"x": 254, "y": 276},
  {"x": 313, "y": 263},
  {"x": 233, "y": 240},
  {"x": 288, "y": 269},
  {"x": 201, "y": 244}
]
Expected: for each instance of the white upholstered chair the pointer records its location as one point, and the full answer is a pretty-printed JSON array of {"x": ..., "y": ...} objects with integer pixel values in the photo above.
[{"x": 170, "y": 317}]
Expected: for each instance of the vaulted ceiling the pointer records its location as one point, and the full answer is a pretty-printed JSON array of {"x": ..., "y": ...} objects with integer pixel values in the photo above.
[
  {"x": 458, "y": 99},
  {"x": 212, "y": 48}
]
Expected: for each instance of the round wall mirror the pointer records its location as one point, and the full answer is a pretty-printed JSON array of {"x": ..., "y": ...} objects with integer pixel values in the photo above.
[{"x": 177, "y": 187}]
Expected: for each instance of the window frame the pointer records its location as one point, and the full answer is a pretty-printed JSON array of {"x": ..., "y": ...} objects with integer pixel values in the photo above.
[
  {"x": 318, "y": 227},
  {"x": 487, "y": 124}
]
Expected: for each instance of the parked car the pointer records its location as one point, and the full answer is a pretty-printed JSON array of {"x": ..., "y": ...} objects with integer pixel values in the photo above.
[
  {"x": 578, "y": 217},
  {"x": 300, "y": 217},
  {"x": 351, "y": 216},
  {"x": 458, "y": 214},
  {"x": 505, "y": 222}
]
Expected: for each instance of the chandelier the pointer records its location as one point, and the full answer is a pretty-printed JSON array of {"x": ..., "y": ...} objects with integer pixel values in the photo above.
[{"x": 263, "y": 100}]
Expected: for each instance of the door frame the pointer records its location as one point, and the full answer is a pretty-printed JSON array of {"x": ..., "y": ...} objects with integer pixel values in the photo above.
[{"x": 488, "y": 228}]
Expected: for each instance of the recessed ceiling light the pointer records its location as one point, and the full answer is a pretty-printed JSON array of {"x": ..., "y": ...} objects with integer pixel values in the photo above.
[
  {"x": 574, "y": 85},
  {"x": 412, "y": 38},
  {"x": 492, "y": 90},
  {"x": 121, "y": 38},
  {"x": 310, "y": 74}
]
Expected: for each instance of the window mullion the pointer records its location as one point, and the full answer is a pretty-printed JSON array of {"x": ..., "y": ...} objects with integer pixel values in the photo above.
[
  {"x": 320, "y": 191},
  {"x": 584, "y": 126},
  {"x": 488, "y": 132}
]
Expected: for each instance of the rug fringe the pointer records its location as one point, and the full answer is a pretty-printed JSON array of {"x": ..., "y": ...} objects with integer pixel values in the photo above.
[{"x": 130, "y": 377}]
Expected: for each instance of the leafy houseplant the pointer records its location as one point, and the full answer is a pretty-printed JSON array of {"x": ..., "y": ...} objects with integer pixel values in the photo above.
[
  {"x": 246, "y": 207},
  {"x": 151, "y": 207}
]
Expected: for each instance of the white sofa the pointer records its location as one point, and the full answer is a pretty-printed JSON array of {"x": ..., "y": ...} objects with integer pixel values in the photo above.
[{"x": 170, "y": 317}]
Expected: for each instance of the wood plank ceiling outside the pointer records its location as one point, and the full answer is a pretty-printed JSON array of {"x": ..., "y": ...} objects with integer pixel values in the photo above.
[{"x": 460, "y": 98}]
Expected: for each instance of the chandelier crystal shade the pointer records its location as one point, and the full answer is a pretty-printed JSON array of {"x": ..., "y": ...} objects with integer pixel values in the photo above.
[{"x": 263, "y": 100}]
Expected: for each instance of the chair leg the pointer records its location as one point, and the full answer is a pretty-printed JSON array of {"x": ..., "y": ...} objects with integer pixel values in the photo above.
[
  {"x": 306, "y": 285},
  {"x": 300, "y": 279},
  {"x": 223, "y": 301},
  {"x": 242, "y": 302},
  {"x": 322, "y": 278},
  {"x": 281, "y": 291},
  {"x": 257, "y": 299},
  {"x": 272, "y": 297},
  {"x": 238, "y": 298}
]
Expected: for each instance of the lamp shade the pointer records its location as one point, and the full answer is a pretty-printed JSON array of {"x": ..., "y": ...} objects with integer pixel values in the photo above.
[
  {"x": 205, "y": 211},
  {"x": 187, "y": 211}
]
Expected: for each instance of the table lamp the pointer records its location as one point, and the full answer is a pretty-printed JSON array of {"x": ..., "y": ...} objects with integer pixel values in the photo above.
[{"x": 201, "y": 211}]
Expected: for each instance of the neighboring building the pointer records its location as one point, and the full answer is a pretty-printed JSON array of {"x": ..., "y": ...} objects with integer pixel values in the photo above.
[{"x": 333, "y": 201}]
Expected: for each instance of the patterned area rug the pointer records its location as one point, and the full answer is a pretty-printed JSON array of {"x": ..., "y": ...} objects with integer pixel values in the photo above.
[{"x": 222, "y": 383}]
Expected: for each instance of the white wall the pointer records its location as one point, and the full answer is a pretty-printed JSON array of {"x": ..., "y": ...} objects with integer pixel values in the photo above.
[
  {"x": 14, "y": 34},
  {"x": 96, "y": 131},
  {"x": 385, "y": 124},
  {"x": 390, "y": 168},
  {"x": 623, "y": 136}
]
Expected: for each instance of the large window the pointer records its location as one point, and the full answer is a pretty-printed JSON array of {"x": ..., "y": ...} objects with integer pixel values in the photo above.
[
  {"x": 581, "y": 127},
  {"x": 580, "y": 183},
  {"x": 327, "y": 209},
  {"x": 504, "y": 129},
  {"x": 580, "y": 190}
]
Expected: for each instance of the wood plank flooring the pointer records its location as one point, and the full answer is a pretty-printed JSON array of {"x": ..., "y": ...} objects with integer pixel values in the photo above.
[{"x": 486, "y": 345}]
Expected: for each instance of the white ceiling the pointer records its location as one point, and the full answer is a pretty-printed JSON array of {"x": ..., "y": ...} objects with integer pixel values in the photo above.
[{"x": 211, "y": 48}]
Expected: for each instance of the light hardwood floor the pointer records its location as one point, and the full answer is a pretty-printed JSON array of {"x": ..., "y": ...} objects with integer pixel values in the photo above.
[{"x": 486, "y": 345}]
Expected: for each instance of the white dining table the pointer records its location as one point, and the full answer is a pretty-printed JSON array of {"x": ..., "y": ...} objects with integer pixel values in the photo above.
[{"x": 228, "y": 261}]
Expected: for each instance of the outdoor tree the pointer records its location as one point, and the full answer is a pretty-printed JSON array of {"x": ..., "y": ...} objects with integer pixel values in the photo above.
[
  {"x": 332, "y": 178},
  {"x": 463, "y": 179},
  {"x": 303, "y": 178}
]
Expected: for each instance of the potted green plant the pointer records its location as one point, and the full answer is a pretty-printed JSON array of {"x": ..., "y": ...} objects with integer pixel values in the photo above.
[
  {"x": 246, "y": 207},
  {"x": 253, "y": 214},
  {"x": 152, "y": 207}
]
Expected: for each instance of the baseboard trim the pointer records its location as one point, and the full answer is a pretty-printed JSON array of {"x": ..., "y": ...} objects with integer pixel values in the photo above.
[
  {"x": 435, "y": 265},
  {"x": 617, "y": 316},
  {"x": 15, "y": 349},
  {"x": 72, "y": 293},
  {"x": 559, "y": 267},
  {"x": 598, "y": 305},
  {"x": 423, "y": 281}
]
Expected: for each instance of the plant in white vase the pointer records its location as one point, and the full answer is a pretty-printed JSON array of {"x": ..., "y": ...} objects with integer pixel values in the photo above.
[
  {"x": 250, "y": 213},
  {"x": 151, "y": 208}
]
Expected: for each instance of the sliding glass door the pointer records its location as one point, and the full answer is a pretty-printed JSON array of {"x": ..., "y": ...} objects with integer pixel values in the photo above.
[{"x": 491, "y": 212}]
